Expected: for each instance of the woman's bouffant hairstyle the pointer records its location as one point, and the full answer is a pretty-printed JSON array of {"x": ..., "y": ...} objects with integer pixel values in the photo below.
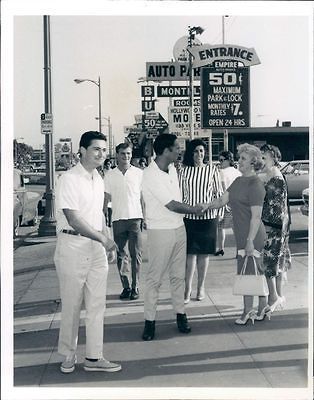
[
  {"x": 227, "y": 155},
  {"x": 254, "y": 152},
  {"x": 188, "y": 155},
  {"x": 273, "y": 151}
]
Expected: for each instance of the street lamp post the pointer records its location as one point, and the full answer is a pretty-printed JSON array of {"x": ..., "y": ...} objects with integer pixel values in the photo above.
[
  {"x": 47, "y": 226},
  {"x": 194, "y": 30},
  {"x": 97, "y": 83}
]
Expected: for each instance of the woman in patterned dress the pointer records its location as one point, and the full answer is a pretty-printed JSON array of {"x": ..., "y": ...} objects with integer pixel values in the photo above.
[
  {"x": 276, "y": 219},
  {"x": 200, "y": 183}
]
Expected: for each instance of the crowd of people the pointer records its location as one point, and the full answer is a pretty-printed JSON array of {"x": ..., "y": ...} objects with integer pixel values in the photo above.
[{"x": 185, "y": 209}]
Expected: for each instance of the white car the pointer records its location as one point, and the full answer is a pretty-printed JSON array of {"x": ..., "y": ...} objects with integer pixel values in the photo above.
[
  {"x": 305, "y": 207},
  {"x": 297, "y": 176}
]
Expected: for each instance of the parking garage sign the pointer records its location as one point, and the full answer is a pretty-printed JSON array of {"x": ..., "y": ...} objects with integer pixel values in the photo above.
[{"x": 225, "y": 97}]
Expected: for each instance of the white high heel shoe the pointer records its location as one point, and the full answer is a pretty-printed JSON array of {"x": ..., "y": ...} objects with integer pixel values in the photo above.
[
  {"x": 251, "y": 315},
  {"x": 266, "y": 312},
  {"x": 278, "y": 305}
]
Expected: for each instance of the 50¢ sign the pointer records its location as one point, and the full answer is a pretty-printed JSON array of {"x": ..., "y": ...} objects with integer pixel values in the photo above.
[{"x": 225, "y": 97}]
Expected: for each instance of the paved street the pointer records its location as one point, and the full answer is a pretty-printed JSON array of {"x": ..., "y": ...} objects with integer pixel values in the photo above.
[{"x": 217, "y": 353}]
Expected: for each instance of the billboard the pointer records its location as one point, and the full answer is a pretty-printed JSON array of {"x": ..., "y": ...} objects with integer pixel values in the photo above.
[{"x": 225, "y": 97}]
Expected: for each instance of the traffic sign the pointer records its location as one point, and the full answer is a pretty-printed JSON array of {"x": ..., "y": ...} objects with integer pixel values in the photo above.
[
  {"x": 154, "y": 123},
  {"x": 46, "y": 123}
]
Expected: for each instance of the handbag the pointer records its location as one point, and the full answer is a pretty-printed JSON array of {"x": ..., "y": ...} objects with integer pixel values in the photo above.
[{"x": 250, "y": 285}]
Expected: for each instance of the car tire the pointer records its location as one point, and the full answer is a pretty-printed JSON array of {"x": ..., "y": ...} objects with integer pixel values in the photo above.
[
  {"x": 34, "y": 221},
  {"x": 41, "y": 209}
]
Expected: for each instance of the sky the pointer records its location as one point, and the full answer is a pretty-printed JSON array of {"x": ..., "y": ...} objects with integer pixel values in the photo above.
[{"x": 116, "y": 48}]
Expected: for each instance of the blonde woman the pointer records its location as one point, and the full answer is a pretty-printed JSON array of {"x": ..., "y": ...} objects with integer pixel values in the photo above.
[{"x": 245, "y": 197}]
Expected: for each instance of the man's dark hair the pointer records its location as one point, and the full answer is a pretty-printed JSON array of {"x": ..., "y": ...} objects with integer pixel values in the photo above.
[
  {"x": 188, "y": 154},
  {"x": 123, "y": 146},
  {"x": 162, "y": 142},
  {"x": 89, "y": 136}
]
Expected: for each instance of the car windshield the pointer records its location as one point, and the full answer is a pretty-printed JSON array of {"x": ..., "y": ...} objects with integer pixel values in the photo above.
[{"x": 296, "y": 168}]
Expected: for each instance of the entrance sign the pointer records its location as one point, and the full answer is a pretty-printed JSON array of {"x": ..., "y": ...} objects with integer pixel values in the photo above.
[
  {"x": 169, "y": 71},
  {"x": 180, "y": 52},
  {"x": 207, "y": 54},
  {"x": 177, "y": 91},
  {"x": 225, "y": 97}
]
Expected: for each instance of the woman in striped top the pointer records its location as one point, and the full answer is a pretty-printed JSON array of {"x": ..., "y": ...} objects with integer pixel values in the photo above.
[{"x": 200, "y": 183}]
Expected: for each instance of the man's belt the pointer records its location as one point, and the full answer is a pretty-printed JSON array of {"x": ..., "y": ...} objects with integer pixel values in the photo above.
[{"x": 70, "y": 232}]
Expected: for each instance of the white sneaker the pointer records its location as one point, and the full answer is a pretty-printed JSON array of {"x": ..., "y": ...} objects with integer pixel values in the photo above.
[
  {"x": 68, "y": 365},
  {"x": 101, "y": 365}
]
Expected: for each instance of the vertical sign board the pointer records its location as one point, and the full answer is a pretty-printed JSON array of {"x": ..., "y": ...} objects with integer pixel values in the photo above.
[
  {"x": 179, "y": 121},
  {"x": 225, "y": 97},
  {"x": 46, "y": 123}
]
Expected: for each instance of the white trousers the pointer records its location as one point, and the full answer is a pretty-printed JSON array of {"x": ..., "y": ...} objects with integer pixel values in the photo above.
[
  {"x": 82, "y": 269},
  {"x": 166, "y": 253}
]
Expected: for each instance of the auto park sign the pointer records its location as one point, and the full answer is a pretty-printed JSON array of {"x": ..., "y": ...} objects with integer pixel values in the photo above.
[
  {"x": 225, "y": 97},
  {"x": 169, "y": 71}
]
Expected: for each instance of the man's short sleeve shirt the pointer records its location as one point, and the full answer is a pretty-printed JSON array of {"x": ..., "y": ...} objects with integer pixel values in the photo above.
[
  {"x": 80, "y": 191},
  {"x": 125, "y": 191},
  {"x": 159, "y": 189}
]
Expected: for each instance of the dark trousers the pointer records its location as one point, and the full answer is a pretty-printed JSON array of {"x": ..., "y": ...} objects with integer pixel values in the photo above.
[{"x": 129, "y": 232}]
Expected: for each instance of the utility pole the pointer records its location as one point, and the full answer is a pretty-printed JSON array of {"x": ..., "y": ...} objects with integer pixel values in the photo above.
[
  {"x": 194, "y": 30},
  {"x": 47, "y": 226}
]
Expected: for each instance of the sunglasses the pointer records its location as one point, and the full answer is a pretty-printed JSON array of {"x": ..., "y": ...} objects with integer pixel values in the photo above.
[{"x": 222, "y": 159}]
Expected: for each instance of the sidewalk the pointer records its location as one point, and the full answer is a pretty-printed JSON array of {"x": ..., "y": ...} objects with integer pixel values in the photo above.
[{"x": 217, "y": 353}]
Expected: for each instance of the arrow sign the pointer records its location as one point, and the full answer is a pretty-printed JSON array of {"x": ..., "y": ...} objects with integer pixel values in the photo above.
[
  {"x": 154, "y": 123},
  {"x": 207, "y": 54}
]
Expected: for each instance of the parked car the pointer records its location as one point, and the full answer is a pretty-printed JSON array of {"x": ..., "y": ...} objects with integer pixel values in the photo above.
[
  {"x": 25, "y": 203},
  {"x": 305, "y": 207},
  {"x": 36, "y": 182},
  {"x": 297, "y": 177}
]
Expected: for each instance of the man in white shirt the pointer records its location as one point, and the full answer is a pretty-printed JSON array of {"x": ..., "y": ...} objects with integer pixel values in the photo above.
[
  {"x": 80, "y": 256},
  {"x": 166, "y": 234},
  {"x": 123, "y": 189}
]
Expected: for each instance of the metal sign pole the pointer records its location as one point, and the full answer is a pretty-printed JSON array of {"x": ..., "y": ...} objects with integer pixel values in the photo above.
[
  {"x": 191, "y": 94},
  {"x": 47, "y": 226}
]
